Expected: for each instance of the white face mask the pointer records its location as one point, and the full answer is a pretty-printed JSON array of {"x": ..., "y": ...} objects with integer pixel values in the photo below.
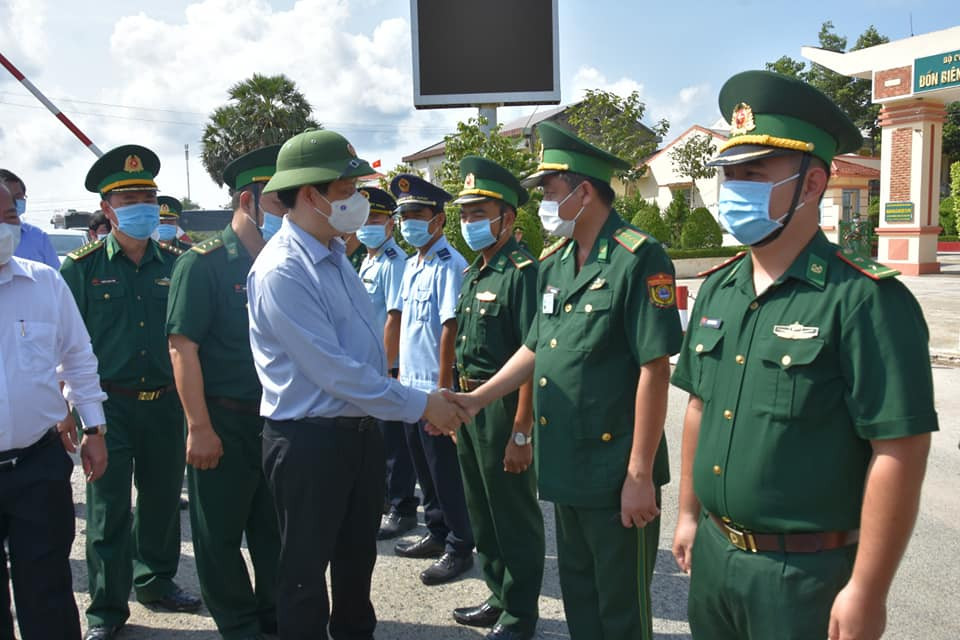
[
  {"x": 346, "y": 216},
  {"x": 9, "y": 241},
  {"x": 549, "y": 213}
]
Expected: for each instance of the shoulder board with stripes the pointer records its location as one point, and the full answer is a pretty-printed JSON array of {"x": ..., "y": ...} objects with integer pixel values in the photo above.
[
  {"x": 444, "y": 254},
  {"x": 86, "y": 250},
  {"x": 721, "y": 265},
  {"x": 630, "y": 238},
  {"x": 552, "y": 249},
  {"x": 866, "y": 266},
  {"x": 520, "y": 259},
  {"x": 208, "y": 246}
]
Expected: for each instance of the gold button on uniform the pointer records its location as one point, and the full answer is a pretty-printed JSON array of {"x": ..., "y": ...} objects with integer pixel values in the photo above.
[
  {"x": 786, "y": 360},
  {"x": 106, "y": 296},
  {"x": 467, "y": 309},
  {"x": 728, "y": 414},
  {"x": 553, "y": 343},
  {"x": 588, "y": 308},
  {"x": 754, "y": 305},
  {"x": 698, "y": 348},
  {"x": 568, "y": 307},
  {"x": 141, "y": 323},
  {"x": 463, "y": 338},
  {"x": 740, "y": 359},
  {"x": 483, "y": 312},
  {"x": 143, "y": 379},
  {"x": 717, "y": 470},
  {"x": 543, "y": 382},
  {"x": 543, "y": 420},
  {"x": 607, "y": 437}
]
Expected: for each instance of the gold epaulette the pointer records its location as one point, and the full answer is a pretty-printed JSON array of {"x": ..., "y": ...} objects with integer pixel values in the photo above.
[
  {"x": 208, "y": 246},
  {"x": 86, "y": 250},
  {"x": 520, "y": 259},
  {"x": 703, "y": 274},
  {"x": 630, "y": 238},
  {"x": 169, "y": 248},
  {"x": 552, "y": 249},
  {"x": 866, "y": 266}
]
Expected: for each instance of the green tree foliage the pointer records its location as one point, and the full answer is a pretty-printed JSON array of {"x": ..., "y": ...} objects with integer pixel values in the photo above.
[
  {"x": 649, "y": 220},
  {"x": 701, "y": 231},
  {"x": 508, "y": 152},
  {"x": 615, "y": 123},
  {"x": 189, "y": 204},
  {"x": 689, "y": 159},
  {"x": 955, "y": 193},
  {"x": 675, "y": 216},
  {"x": 873, "y": 211},
  {"x": 397, "y": 170},
  {"x": 948, "y": 216},
  {"x": 852, "y": 95},
  {"x": 951, "y": 133},
  {"x": 262, "y": 110}
]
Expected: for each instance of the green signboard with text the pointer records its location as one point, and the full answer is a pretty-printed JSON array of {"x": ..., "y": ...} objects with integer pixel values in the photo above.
[
  {"x": 936, "y": 72},
  {"x": 898, "y": 212}
]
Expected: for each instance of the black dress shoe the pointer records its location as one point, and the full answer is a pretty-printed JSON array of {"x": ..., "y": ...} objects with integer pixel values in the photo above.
[
  {"x": 482, "y": 616},
  {"x": 503, "y": 632},
  {"x": 425, "y": 547},
  {"x": 448, "y": 567},
  {"x": 102, "y": 632},
  {"x": 393, "y": 524},
  {"x": 177, "y": 600}
]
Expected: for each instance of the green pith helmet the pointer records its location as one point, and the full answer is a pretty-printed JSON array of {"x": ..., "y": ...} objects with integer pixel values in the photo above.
[
  {"x": 484, "y": 179},
  {"x": 316, "y": 157},
  {"x": 772, "y": 114},
  {"x": 563, "y": 151}
]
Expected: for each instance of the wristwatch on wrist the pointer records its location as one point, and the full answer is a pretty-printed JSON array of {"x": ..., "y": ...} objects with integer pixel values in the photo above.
[
  {"x": 521, "y": 439},
  {"x": 99, "y": 430}
]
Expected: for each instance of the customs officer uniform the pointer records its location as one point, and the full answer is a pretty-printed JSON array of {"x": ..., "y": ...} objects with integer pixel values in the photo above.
[
  {"x": 208, "y": 305},
  {"x": 124, "y": 306},
  {"x": 429, "y": 292},
  {"x": 795, "y": 382},
  {"x": 497, "y": 306},
  {"x": 593, "y": 331}
]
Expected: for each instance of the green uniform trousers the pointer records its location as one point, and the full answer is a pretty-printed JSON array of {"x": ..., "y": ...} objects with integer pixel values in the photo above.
[
  {"x": 505, "y": 515},
  {"x": 738, "y": 595},
  {"x": 225, "y": 503},
  {"x": 144, "y": 441},
  {"x": 605, "y": 573}
]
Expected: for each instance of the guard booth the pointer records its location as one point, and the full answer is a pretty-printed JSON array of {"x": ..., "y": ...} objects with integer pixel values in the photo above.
[{"x": 913, "y": 81}]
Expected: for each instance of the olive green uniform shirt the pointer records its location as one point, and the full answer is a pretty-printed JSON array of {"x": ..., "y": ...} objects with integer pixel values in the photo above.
[
  {"x": 208, "y": 305},
  {"x": 495, "y": 311},
  {"x": 124, "y": 306},
  {"x": 593, "y": 331},
  {"x": 796, "y": 382},
  {"x": 356, "y": 258}
]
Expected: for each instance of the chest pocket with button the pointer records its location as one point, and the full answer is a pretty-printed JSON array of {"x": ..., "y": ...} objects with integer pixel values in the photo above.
[
  {"x": 36, "y": 346},
  {"x": 706, "y": 347},
  {"x": 797, "y": 379},
  {"x": 591, "y": 320},
  {"x": 422, "y": 303},
  {"x": 106, "y": 300}
]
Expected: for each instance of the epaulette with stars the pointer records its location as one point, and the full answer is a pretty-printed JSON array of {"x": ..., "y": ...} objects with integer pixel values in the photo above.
[
  {"x": 390, "y": 252},
  {"x": 866, "y": 266},
  {"x": 630, "y": 238},
  {"x": 552, "y": 249},
  {"x": 520, "y": 259},
  {"x": 86, "y": 250},
  {"x": 717, "y": 267},
  {"x": 169, "y": 248},
  {"x": 208, "y": 246},
  {"x": 444, "y": 254}
]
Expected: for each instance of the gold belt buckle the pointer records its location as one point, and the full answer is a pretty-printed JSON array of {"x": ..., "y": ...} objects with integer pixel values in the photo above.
[
  {"x": 464, "y": 383},
  {"x": 148, "y": 395},
  {"x": 742, "y": 540}
]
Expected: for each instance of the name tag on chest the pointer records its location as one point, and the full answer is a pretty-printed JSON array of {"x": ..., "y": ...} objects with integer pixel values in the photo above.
[{"x": 550, "y": 300}]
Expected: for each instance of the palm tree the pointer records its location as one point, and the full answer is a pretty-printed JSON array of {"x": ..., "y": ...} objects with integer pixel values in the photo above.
[{"x": 262, "y": 110}]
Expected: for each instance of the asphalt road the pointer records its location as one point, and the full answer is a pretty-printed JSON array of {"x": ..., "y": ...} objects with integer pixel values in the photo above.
[{"x": 923, "y": 604}]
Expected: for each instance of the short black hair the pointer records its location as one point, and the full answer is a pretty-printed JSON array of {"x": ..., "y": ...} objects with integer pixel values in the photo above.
[
  {"x": 289, "y": 196},
  {"x": 604, "y": 190},
  {"x": 98, "y": 219},
  {"x": 9, "y": 176}
]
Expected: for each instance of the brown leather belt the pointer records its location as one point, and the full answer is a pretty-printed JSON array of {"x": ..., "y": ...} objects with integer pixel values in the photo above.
[
  {"x": 785, "y": 542},
  {"x": 146, "y": 395},
  {"x": 249, "y": 408},
  {"x": 469, "y": 384}
]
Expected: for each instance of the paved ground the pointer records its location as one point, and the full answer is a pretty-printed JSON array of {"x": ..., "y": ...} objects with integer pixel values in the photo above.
[{"x": 922, "y": 605}]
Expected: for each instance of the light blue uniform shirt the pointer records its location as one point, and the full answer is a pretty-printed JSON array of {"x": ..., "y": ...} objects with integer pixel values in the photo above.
[
  {"x": 316, "y": 348},
  {"x": 429, "y": 291},
  {"x": 382, "y": 276},
  {"x": 35, "y": 245}
]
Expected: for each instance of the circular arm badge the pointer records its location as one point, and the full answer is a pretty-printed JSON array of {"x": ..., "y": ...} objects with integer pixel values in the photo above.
[{"x": 662, "y": 290}]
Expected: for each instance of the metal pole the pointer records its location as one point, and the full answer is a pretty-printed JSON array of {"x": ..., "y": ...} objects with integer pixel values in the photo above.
[
  {"x": 186, "y": 158},
  {"x": 50, "y": 106},
  {"x": 488, "y": 111}
]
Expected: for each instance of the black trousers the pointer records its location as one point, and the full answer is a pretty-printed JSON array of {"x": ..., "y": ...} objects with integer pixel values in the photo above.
[
  {"x": 327, "y": 481},
  {"x": 438, "y": 471},
  {"x": 401, "y": 477},
  {"x": 37, "y": 524}
]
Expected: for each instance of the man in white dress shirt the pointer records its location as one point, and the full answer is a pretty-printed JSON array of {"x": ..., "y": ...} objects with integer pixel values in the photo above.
[{"x": 43, "y": 343}]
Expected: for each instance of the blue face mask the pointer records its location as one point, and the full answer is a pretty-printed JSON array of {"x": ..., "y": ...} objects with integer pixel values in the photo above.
[
  {"x": 166, "y": 232},
  {"x": 271, "y": 224},
  {"x": 416, "y": 232},
  {"x": 21, "y": 204},
  {"x": 372, "y": 235},
  {"x": 744, "y": 208},
  {"x": 138, "y": 220},
  {"x": 478, "y": 235}
]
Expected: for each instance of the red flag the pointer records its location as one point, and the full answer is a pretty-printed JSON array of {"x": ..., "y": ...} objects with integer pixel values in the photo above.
[{"x": 376, "y": 164}]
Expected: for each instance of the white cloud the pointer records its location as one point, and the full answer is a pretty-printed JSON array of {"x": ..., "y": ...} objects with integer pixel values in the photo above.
[{"x": 22, "y": 25}]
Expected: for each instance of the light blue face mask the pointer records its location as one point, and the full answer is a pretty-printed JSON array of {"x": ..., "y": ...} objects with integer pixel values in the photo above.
[
  {"x": 416, "y": 232},
  {"x": 271, "y": 224},
  {"x": 744, "y": 208},
  {"x": 21, "y": 204},
  {"x": 138, "y": 220},
  {"x": 372, "y": 235},
  {"x": 478, "y": 234},
  {"x": 166, "y": 232}
]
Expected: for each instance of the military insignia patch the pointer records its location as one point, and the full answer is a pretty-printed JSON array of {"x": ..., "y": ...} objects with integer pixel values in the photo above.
[
  {"x": 795, "y": 331},
  {"x": 132, "y": 164},
  {"x": 486, "y": 296},
  {"x": 599, "y": 283},
  {"x": 99, "y": 281},
  {"x": 240, "y": 288},
  {"x": 163, "y": 282},
  {"x": 741, "y": 121},
  {"x": 404, "y": 185},
  {"x": 351, "y": 150},
  {"x": 164, "y": 208},
  {"x": 662, "y": 290},
  {"x": 469, "y": 182}
]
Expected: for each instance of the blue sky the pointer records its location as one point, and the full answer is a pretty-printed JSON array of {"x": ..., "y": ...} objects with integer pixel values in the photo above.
[{"x": 168, "y": 63}]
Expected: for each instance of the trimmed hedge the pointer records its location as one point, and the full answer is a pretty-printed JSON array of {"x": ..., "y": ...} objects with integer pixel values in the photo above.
[{"x": 715, "y": 252}]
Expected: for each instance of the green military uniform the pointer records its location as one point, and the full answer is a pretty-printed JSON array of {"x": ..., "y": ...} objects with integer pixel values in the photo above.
[
  {"x": 208, "y": 305},
  {"x": 795, "y": 382},
  {"x": 124, "y": 306},
  {"x": 170, "y": 210},
  {"x": 497, "y": 304},
  {"x": 356, "y": 258},
  {"x": 594, "y": 329}
]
